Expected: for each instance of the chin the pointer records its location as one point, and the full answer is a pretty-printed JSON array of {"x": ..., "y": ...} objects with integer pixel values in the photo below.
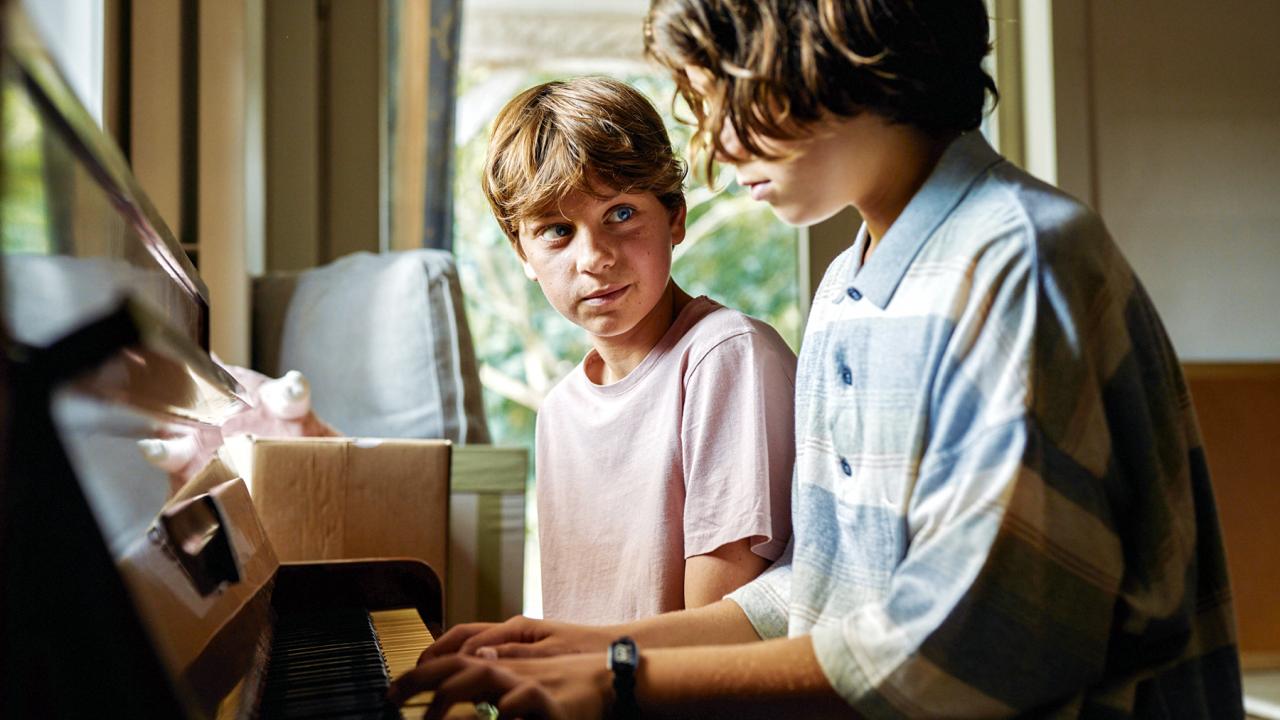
[
  {"x": 804, "y": 215},
  {"x": 603, "y": 328}
]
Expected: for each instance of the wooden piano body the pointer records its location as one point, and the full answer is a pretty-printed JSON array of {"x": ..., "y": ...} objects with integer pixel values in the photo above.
[{"x": 120, "y": 594}]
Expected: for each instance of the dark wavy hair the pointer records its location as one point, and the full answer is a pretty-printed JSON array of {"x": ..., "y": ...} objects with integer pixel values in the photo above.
[{"x": 780, "y": 65}]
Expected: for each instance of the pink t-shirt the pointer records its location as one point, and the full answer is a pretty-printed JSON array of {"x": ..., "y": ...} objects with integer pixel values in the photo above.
[{"x": 690, "y": 451}]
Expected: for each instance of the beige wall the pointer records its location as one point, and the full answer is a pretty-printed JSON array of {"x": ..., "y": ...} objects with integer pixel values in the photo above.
[{"x": 1179, "y": 102}]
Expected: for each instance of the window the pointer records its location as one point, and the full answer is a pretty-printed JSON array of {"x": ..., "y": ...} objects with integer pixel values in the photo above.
[{"x": 73, "y": 32}]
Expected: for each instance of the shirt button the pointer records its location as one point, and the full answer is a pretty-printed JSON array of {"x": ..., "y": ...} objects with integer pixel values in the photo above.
[
  {"x": 853, "y": 293},
  {"x": 844, "y": 467}
]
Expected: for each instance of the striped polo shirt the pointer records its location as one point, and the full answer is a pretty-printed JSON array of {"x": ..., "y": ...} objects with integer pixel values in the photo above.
[{"x": 1001, "y": 502}]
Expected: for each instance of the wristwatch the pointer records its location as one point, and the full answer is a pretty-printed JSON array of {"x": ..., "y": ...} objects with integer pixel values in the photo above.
[{"x": 624, "y": 660}]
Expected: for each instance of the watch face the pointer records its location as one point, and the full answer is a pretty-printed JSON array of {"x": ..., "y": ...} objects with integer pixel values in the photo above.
[{"x": 622, "y": 654}]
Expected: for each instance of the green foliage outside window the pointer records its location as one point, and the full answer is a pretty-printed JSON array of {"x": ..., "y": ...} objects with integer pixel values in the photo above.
[{"x": 22, "y": 208}]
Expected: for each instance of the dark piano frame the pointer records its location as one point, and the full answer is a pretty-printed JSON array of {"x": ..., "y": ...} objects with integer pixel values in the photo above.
[{"x": 75, "y": 637}]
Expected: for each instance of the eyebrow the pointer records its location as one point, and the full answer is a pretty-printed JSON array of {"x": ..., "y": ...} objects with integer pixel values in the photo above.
[
  {"x": 545, "y": 217},
  {"x": 555, "y": 214}
]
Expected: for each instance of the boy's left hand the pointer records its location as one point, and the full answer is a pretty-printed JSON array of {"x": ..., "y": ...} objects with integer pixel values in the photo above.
[
  {"x": 569, "y": 686},
  {"x": 522, "y": 637}
]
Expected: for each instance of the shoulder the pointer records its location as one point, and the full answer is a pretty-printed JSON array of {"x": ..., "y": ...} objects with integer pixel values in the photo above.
[
  {"x": 719, "y": 333},
  {"x": 1020, "y": 215},
  {"x": 564, "y": 398},
  {"x": 1015, "y": 236}
]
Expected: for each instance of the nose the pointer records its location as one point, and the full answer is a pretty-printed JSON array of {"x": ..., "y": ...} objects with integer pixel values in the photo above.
[{"x": 596, "y": 252}]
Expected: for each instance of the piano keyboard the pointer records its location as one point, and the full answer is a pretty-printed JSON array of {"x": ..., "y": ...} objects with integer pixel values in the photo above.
[
  {"x": 325, "y": 664},
  {"x": 338, "y": 664}
]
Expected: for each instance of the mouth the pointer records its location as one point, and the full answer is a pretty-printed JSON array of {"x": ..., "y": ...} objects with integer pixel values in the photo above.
[
  {"x": 758, "y": 189},
  {"x": 605, "y": 295}
]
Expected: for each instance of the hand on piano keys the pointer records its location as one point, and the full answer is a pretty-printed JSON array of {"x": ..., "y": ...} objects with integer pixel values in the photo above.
[
  {"x": 338, "y": 663},
  {"x": 563, "y": 686}
]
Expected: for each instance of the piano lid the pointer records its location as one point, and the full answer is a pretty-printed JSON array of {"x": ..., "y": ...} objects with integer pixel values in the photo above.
[
  {"x": 104, "y": 322},
  {"x": 79, "y": 236},
  {"x": 78, "y": 133}
]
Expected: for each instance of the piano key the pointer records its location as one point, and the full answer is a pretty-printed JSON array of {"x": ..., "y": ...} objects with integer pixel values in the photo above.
[
  {"x": 326, "y": 664},
  {"x": 338, "y": 664},
  {"x": 403, "y": 637}
]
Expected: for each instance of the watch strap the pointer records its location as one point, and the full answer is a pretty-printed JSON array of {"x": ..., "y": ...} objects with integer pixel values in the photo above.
[{"x": 624, "y": 660}]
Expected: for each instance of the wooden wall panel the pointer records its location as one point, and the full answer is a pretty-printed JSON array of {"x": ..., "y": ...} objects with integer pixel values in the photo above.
[
  {"x": 353, "y": 102},
  {"x": 155, "y": 121},
  {"x": 222, "y": 215},
  {"x": 1238, "y": 406},
  {"x": 292, "y": 135},
  {"x": 324, "y": 126}
]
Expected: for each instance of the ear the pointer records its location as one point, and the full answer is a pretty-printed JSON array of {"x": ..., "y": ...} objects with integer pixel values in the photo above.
[
  {"x": 678, "y": 217},
  {"x": 528, "y": 270}
]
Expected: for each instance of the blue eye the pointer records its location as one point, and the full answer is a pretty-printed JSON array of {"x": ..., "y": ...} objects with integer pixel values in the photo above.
[
  {"x": 623, "y": 214},
  {"x": 555, "y": 232}
]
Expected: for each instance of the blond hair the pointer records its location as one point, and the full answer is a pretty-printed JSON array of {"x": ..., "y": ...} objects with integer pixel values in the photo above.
[{"x": 582, "y": 134}]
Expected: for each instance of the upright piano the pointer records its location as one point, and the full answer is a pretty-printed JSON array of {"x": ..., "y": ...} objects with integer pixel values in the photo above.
[{"x": 123, "y": 595}]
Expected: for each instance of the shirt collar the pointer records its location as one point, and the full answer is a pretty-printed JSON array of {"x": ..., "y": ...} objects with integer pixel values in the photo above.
[{"x": 961, "y": 163}]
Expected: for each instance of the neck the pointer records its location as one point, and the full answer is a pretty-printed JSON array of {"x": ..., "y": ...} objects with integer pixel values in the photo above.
[
  {"x": 910, "y": 156},
  {"x": 619, "y": 355}
]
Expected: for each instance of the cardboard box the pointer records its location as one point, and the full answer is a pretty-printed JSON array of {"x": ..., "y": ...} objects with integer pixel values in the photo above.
[{"x": 342, "y": 498}]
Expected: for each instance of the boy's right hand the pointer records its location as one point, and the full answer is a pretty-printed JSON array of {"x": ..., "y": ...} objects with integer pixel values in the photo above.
[{"x": 520, "y": 637}]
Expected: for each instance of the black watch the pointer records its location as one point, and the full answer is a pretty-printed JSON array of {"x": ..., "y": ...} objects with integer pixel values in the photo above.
[{"x": 624, "y": 660}]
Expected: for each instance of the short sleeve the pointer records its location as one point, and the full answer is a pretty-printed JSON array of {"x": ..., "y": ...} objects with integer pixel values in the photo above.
[
  {"x": 738, "y": 447},
  {"x": 764, "y": 600}
]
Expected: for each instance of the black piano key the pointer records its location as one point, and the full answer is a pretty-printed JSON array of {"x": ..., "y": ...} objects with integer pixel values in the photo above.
[
  {"x": 326, "y": 665},
  {"x": 339, "y": 652},
  {"x": 338, "y": 668}
]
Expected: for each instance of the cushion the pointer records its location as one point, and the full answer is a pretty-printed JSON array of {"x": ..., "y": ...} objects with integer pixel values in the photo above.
[{"x": 383, "y": 339}]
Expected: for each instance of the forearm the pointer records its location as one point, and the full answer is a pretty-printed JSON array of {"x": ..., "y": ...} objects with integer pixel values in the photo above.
[
  {"x": 777, "y": 678},
  {"x": 720, "y": 623}
]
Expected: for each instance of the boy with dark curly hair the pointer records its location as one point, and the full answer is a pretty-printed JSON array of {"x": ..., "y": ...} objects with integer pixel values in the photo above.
[{"x": 1001, "y": 503}]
